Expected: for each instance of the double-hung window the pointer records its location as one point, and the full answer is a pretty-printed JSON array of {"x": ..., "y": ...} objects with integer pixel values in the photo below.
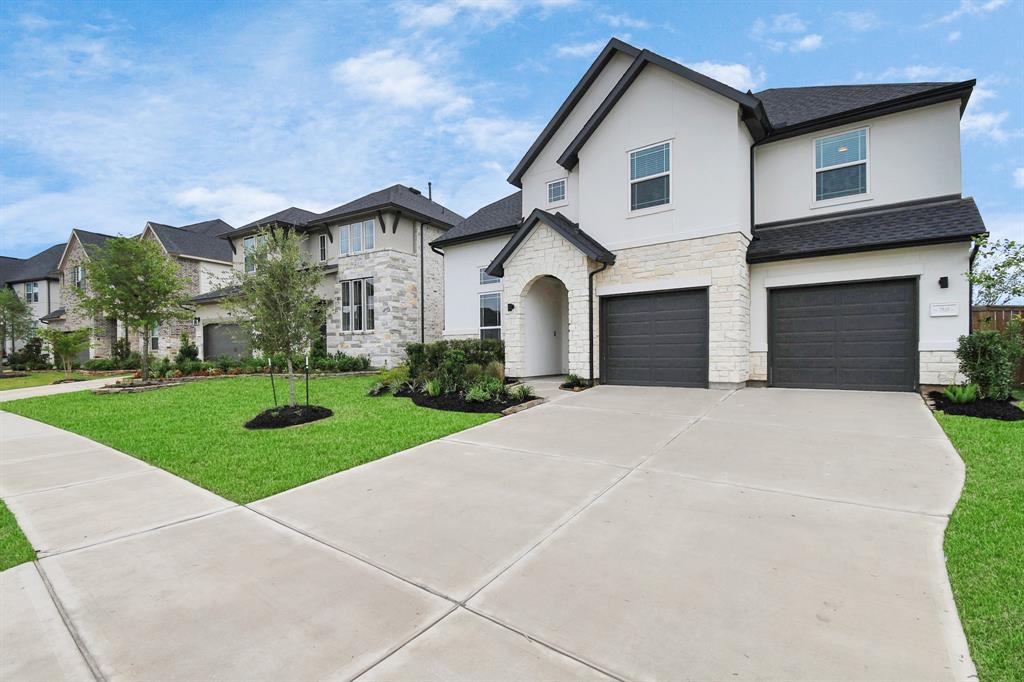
[
  {"x": 154, "y": 339},
  {"x": 357, "y": 305},
  {"x": 488, "y": 279},
  {"x": 650, "y": 176},
  {"x": 556, "y": 191},
  {"x": 32, "y": 292},
  {"x": 248, "y": 246},
  {"x": 323, "y": 247},
  {"x": 841, "y": 165},
  {"x": 490, "y": 316},
  {"x": 78, "y": 275},
  {"x": 357, "y": 237}
]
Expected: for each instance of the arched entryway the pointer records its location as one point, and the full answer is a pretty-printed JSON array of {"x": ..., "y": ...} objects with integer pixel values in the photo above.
[{"x": 546, "y": 327}]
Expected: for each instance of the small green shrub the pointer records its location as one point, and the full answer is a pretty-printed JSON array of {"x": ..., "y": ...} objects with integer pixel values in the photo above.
[
  {"x": 425, "y": 359},
  {"x": 377, "y": 389},
  {"x": 121, "y": 349},
  {"x": 495, "y": 370},
  {"x": 29, "y": 356},
  {"x": 187, "y": 350},
  {"x": 985, "y": 360},
  {"x": 575, "y": 381},
  {"x": 395, "y": 378},
  {"x": 961, "y": 395},
  {"x": 100, "y": 364},
  {"x": 452, "y": 371},
  {"x": 522, "y": 393},
  {"x": 432, "y": 388},
  {"x": 477, "y": 394},
  {"x": 473, "y": 372}
]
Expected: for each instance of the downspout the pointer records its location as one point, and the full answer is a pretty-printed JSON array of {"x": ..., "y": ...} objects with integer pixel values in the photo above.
[
  {"x": 590, "y": 305},
  {"x": 423, "y": 293},
  {"x": 970, "y": 287},
  {"x": 751, "y": 192}
]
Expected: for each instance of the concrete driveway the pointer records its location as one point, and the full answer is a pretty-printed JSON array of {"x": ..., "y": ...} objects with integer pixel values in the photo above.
[{"x": 633, "y": 533}]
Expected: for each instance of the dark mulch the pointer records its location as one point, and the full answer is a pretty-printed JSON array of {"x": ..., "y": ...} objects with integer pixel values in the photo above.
[
  {"x": 455, "y": 402},
  {"x": 984, "y": 408},
  {"x": 280, "y": 417},
  {"x": 13, "y": 375},
  {"x": 68, "y": 381}
]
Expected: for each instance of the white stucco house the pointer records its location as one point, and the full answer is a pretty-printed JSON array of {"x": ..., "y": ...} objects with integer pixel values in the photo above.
[
  {"x": 671, "y": 230},
  {"x": 381, "y": 279}
]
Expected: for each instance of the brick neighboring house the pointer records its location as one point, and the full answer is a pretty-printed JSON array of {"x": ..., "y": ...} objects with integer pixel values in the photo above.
[
  {"x": 384, "y": 282},
  {"x": 36, "y": 280}
]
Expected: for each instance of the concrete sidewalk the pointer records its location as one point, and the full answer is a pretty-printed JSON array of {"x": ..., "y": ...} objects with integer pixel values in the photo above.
[{"x": 55, "y": 389}]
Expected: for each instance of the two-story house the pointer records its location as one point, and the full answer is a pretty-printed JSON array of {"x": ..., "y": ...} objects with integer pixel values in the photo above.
[
  {"x": 382, "y": 280},
  {"x": 36, "y": 280},
  {"x": 671, "y": 230}
]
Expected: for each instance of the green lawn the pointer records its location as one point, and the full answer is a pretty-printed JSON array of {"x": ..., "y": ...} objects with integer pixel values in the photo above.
[
  {"x": 195, "y": 430},
  {"x": 985, "y": 543},
  {"x": 38, "y": 379},
  {"x": 14, "y": 548}
]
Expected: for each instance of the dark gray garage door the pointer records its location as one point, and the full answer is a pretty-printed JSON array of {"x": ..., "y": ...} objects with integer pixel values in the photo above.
[
  {"x": 855, "y": 336},
  {"x": 658, "y": 339},
  {"x": 224, "y": 339}
]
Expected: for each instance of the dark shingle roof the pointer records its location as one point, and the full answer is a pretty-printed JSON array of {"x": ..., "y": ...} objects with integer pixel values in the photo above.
[
  {"x": 396, "y": 196},
  {"x": 40, "y": 266},
  {"x": 291, "y": 215},
  {"x": 209, "y": 228},
  {"x": 184, "y": 242},
  {"x": 500, "y": 217},
  {"x": 215, "y": 295},
  {"x": 90, "y": 240},
  {"x": 8, "y": 266},
  {"x": 572, "y": 233},
  {"x": 55, "y": 315},
  {"x": 933, "y": 221},
  {"x": 794, "y": 106}
]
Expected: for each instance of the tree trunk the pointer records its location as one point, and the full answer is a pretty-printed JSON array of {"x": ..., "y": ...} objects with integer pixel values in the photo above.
[
  {"x": 291, "y": 382},
  {"x": 68, "y": 361},
  {"x": 145, "y": 353}
]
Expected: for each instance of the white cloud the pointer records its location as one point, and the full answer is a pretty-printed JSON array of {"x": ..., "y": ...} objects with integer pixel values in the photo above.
[
  {"x": 237, "y": 204},
  {"x": 501, "y": 136},
  {"x": 859, "y": 21},
  {"x": 622, "y": 21},
  {"x": 581, "y": 49},
  {"x": 34, "y": 22},
  {"x": 989, "y": 124},
  {"x": 738, "y": 76},
  {"x": 779, "y": 23},
  {"x": 970, "y": 8},
  {"x": 953, "y": 36},
  {"x": 488, "y": 13},
  {"x": 917, "y": 72},
  {"x": 397, "y": 79},
  {"x": 71, "y": 57},
  {"x": 1005, "y": 226},
  {"x": 1018, "y": 178},
  {"x": 808, "y": 43}
]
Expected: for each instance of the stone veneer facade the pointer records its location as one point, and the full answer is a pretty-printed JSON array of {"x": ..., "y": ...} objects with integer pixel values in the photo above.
[
  {"x": 396, "y": 290},
  {"x": 104, "y": 330},
  {"x": 717, "y": 262},
  {"x": 939, "y": 367}
]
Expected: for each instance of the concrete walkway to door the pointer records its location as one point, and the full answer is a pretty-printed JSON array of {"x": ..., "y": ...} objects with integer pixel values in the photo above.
[{"x": 630, "y": 533}]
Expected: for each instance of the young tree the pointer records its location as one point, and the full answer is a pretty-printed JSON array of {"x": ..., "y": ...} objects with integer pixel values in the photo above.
[
  {"x": 66, "y": 345},
  {"x": 17, "y": 323},
  {"x": 999, "y": 276},
  {"x": 277, "y": 304},
  {"x": 133, "y": 281}
]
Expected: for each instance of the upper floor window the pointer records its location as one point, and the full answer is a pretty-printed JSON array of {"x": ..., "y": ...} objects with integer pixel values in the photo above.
[
  {"x": 323, "y": 247},
  {"x": 556, "y": 191},
  {"x": 248, "y": 246},
  {"x": 490, "y": 316},
  {"x": 32, "y": 292},
  {"x": 488, "y": 279},
  {"x": 78, "y": 276},
  {"x": 357, "y": 237},
  {"x": 649, "y": 172},
  {"x": 841, "y": 165}
]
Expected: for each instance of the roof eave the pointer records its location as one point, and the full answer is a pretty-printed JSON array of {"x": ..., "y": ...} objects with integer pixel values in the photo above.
[
  {"x": 496, "y": 232},
  {"x": 389, "y": 205},
  {"x": 837, "y": 251}
]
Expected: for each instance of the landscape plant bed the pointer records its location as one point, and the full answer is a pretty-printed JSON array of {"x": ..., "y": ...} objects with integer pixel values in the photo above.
[
  {"x": 573, "y": 389},
  {"x": 13, "y": 375},
  {"x": 984, "y": 408},
  {"x": 456, "y": 402},
  {"x": 287, "y": 415}
]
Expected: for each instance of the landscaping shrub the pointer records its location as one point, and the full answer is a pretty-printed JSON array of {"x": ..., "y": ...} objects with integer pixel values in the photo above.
[
  {"x": 432, "y": 387},
  {"x": 452, "y": 371},
  {"x": 576, "y": 381},
  {"x": 30, "y": 356},
  {"x": 477, "y": 394},
  {"x": 100, "y": 364},
  {"x": 395, "y": 378},
  {"x": 961, "y": 395},
  {"x": 187, "y": 351},
  {"x": 121, "y": 350},
  {"x": 425, "y": 359},
  {"x": 473, "y": 372},
  {"x": 377, "y": 389},
  {"x": 495, "y": 370},
  {"x": 522, "y": 393},
  {"x": 986, "y": 361}
]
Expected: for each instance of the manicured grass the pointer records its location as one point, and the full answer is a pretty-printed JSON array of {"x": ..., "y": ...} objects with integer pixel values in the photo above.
[
  {"x": 195, "y": 430},
  {"x": 38, "y": 379},
  {"x": 985, "y": 543},
  {"x": 14, "y": 547}
]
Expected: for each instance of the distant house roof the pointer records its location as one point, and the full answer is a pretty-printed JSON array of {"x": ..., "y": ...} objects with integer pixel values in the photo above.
[
  {"x": 8, "y": 266},
  {"x": 933, "y": 221},
  {"x": 57, "y": 314},
  {"x": 215, "y": 295},
  {"x": 43, "y": 265},
  {"x": 406, "y": 199},
  {"x": 560, "y": 224},
  {"x": 183, "y": 241},
  {"x": 91, "y": 240},
  {"x": 209, "y": 228},
  {"x": 500, "y": 217},
  {"x": 290, "y": 216}
]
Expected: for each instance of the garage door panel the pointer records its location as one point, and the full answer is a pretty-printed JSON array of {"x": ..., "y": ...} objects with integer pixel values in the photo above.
[
  {"x": 224, "y": 340},
  {"x": 855, "y": 336},
  {"x": 655, "y": 339}
]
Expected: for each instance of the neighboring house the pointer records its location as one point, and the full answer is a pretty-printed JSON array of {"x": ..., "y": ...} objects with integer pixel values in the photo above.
[
  {"x": 383, "y": 282},
  {"x": 203, "y": 252},
  {"x": 73, "y": 269},
  {"x": 672, "y": 230},
  {"x": 36, "y": 280}
]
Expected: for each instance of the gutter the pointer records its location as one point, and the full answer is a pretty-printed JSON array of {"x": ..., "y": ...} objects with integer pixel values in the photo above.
[
  {"x": 590, "y": 320},
  {"x": 423, "y": 293},
  {"x": 970, "y": 286}
]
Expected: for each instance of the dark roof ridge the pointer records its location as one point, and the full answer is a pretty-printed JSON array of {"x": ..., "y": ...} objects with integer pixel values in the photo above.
[{"x": 869, "y": 210}]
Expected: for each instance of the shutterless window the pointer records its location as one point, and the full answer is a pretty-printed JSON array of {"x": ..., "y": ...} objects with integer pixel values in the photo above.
[
  {"x": 79, "y": 276},
  {"x": 154, "y": 339},
  {"x": 649, "y": 172},
  {"x": 358, "y": 237},
  {"x": 32, "y": 292},
  {"x": 841, "y": 165},
  {"x": 556, "y": 191},
  {"x": 488, "y": 279},
  {"x": 357, "y": 305},
  {"x": 323, "y": 247},
  {"x": 248, "y": 244},
  {"x": 490, "y": 316}
]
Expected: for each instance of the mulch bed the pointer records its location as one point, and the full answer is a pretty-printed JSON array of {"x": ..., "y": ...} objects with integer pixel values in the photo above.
[
  {"x": 280, "y": 417},
  {"x": 457, "y": 403},
  {"x": 68, "y": 381},
  {"x": 985, "y": 408}
]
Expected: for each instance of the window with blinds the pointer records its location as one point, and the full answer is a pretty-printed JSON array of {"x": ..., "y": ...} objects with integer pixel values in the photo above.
[
  {"x": 841, "y": 165},
  {"x": 649, "y": 176}
]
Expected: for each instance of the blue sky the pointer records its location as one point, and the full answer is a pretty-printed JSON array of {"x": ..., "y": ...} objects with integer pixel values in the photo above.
[{"x": 112, "y": 114}]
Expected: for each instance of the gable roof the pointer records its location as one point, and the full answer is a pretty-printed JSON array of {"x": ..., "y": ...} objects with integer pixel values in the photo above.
[
  {"x": 499, "y": 217},
  {"x": 180, "y": 241},
  {"x": 89, "y": 241},
  {"x": 209, "y": 228},
  {"x": 42, "y": 265},
  {"x": 8, "y": 266},
  {"x": 794, "y": 111},
  {"x": 289, "y": 216},
  {"x": 913, "y": 223},
  {"x": 753, "y": 112},
  {"x": 560, "y": 224},
  {"x": 407, "y": 199},
  {"x": 614, "y": 46}
]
